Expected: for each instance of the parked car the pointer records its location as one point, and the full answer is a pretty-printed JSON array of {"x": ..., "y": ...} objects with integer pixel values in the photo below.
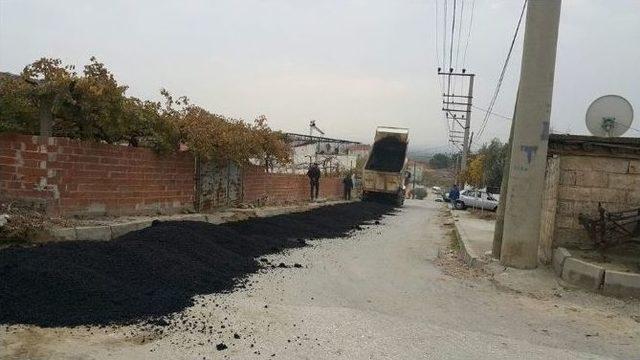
[{"x": 477, "y": 199}]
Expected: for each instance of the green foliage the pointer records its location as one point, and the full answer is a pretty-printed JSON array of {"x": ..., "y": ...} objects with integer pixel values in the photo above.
[
  {"x": 441, "y": 161},
  {"x": 474, "y": 174},
  {"x": 484, "y": 169},
  {"x": 18, "y": 112},
  {"x": 93, "y": 106},
  {"x": 420, "y": 193},
  {"x": 495, "y": 156}
]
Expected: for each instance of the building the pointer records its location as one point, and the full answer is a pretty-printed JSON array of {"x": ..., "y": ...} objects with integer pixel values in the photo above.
[
  {"x": 582, "y": 172},
  {"x": 333, "y": 155}
]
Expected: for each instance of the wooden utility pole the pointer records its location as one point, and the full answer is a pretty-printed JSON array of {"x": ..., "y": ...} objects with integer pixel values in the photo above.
[{"x": 521, "y": 231}]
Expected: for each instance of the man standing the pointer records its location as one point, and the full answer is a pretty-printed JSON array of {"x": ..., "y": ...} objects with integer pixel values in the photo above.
[
  {"x": 348, "y": 185},
  {"x": 454, "y": 195},
  {"x": 314, "y": 180}
]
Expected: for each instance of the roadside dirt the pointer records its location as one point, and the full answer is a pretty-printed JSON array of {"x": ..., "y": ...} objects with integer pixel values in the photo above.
[{"x": 148, "y": 274}]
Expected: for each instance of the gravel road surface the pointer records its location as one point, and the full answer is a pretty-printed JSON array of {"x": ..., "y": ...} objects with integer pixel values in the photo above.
[{"x": 378, "y": 294}]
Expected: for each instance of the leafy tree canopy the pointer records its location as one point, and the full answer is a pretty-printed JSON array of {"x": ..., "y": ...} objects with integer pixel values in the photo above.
[
  {"x": 92, "y": 105},
  {"x": 441, "y": 161}
]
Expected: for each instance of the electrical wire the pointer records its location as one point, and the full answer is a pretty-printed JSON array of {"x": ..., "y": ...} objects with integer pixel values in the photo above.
[
  {"x": 444, "y": 38},
  {"x": 504, "y": 69},
  {"x": 492, "y": 113},
  {"x": 453, "y": 31},
  {"x": 466, "y": 47},
  {"x": 458, "y": 42},
  {"x": 437, "y": 52},
  {"x": 459, "y": 31}
]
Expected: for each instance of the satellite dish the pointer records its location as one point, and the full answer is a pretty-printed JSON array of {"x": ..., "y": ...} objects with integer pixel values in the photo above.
[{"x": 609, "y": 115}]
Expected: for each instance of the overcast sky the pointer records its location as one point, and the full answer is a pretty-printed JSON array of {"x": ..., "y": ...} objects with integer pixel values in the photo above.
[{"x": 350, "y": 65}]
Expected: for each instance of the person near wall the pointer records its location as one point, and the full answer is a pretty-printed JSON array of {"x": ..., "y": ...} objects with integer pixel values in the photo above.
[
  {"x": 314, "y": 179},
  {"x": 347, "y": 183}
]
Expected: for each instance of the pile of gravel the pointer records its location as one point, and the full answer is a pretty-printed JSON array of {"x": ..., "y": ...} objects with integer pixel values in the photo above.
[{"x": 155, "y": 271}]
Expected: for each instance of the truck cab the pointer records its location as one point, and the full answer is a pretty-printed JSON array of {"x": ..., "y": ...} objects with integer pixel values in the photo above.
[{"x": 384, "y": 176}]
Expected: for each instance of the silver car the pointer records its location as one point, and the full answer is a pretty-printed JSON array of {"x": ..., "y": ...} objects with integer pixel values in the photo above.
[{"x": 477, "y": 199}]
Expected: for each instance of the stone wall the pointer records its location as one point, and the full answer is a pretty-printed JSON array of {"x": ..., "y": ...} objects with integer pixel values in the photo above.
[{"x": 592, "y": 174}]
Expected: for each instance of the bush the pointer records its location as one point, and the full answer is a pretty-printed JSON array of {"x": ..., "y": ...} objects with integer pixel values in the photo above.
[
  {"x": 420, "y": 193},
  {"x": 93, "y": 106}
]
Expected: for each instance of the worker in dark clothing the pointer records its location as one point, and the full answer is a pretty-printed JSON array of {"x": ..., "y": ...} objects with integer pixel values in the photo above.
[
  {"x": 314, "y": 180},
  {"x": 454, "y": 195},
  {"x": 348, "y": 185}
]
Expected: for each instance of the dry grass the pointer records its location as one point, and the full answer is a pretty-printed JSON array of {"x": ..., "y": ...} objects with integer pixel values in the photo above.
[
  {"x": 26, "y": 223},
  {"x": 482, "y": 214},
  {"x": 452, "y": 264}
]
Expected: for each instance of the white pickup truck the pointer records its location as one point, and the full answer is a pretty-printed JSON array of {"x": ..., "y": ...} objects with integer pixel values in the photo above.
[{"x": 383, "y": 176}]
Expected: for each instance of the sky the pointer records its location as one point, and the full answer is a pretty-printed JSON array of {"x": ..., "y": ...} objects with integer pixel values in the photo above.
[{"x": 351, "y": 65}]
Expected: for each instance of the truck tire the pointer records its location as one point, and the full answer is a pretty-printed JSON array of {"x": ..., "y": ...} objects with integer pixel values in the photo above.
[
  {"x": 399, "y": 201},
  {"x": 459, "y": 205}
]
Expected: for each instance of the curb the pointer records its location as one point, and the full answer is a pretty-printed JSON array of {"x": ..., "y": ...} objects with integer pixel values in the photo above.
[
  {"x": 593, "y": 277},
  {"x": 113, "y": 231},
  {"x": 468, "y": 255}
]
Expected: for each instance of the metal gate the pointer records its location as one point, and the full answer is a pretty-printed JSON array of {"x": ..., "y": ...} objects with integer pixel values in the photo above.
[{"x": 216, "y": 185}]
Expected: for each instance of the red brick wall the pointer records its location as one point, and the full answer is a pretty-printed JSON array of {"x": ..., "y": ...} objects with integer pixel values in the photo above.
[
  {"x": 75, "y": 177},
  {"x": 260, "y": 186}
]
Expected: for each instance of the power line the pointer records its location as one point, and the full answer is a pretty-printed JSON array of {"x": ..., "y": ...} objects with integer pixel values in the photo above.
[
  {"x": 459, "y": 31},
  {"x": 444, "y": 39},
  {"x": 504, "y": 69},
  {"x": 437, "y": 52},
  {"x": 466, "y": 47},
  {"x": 453, "y": 30},
  {"x": 492, "y": 113}
]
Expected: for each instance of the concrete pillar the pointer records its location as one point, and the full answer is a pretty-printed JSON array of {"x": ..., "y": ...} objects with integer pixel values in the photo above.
[
  {"x": 467, "y": 125},
  {"x": 531, "y": 132},
  {"x": 46, "y": 118}
]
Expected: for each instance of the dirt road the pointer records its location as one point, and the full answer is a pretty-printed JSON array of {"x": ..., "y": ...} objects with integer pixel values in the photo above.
[{"x": 375, "y": 295}]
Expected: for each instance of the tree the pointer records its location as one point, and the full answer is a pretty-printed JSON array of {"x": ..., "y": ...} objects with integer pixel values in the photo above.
[
  {"x": 18, "y": 112},
  {"x": 441, "y": 161},
  {"x": 474, "y": 174},
  {"x": 50, "y": 85},
  {"x": 94, "y": 106},
  {"x": 494, "y": 155}
]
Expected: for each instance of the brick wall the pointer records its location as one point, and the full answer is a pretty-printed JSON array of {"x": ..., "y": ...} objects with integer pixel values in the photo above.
[
  {"x": 73, "y": 177},
  {"x": 269, "y": 188},
  {"x": 585, "y": 181}
]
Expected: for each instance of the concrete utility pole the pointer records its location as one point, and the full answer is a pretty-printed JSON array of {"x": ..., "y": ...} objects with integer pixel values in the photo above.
[
  {"x": 497, "y": 231},
  {"x": 531, "y": 132},
  {"x": 453, "y": 104},
  {"x": 467, "y": 125}
]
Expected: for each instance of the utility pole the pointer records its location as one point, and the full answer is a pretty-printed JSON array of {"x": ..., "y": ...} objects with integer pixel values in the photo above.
[
  {"x": 414, "y": 175},
  {"x": 521, "y": 229},
  {"x": 467, "y": 125},
  {"x": 453, "y": 105}
]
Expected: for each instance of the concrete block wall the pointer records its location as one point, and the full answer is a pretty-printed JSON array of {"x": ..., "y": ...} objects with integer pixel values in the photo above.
[
  {"x": 69, "y": 177},
  {"x": 585, "y": 181},
  {"x": 272, "y": 188}
]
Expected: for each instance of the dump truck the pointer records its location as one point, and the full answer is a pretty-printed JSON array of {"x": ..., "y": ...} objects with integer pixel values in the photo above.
[{"x": 384, "y": 177}]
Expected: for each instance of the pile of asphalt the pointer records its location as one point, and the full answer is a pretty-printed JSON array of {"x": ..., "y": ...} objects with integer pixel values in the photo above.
[
  {"x": 156, "y": 271},
  {"x": 388, "y": 154}
]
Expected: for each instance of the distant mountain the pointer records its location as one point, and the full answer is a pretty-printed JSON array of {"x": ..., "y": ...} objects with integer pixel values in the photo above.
[{"x": 424, "y": 154}]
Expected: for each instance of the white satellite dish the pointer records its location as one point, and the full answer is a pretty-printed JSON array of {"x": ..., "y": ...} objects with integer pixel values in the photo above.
[{"x": 609, "y": 115}]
